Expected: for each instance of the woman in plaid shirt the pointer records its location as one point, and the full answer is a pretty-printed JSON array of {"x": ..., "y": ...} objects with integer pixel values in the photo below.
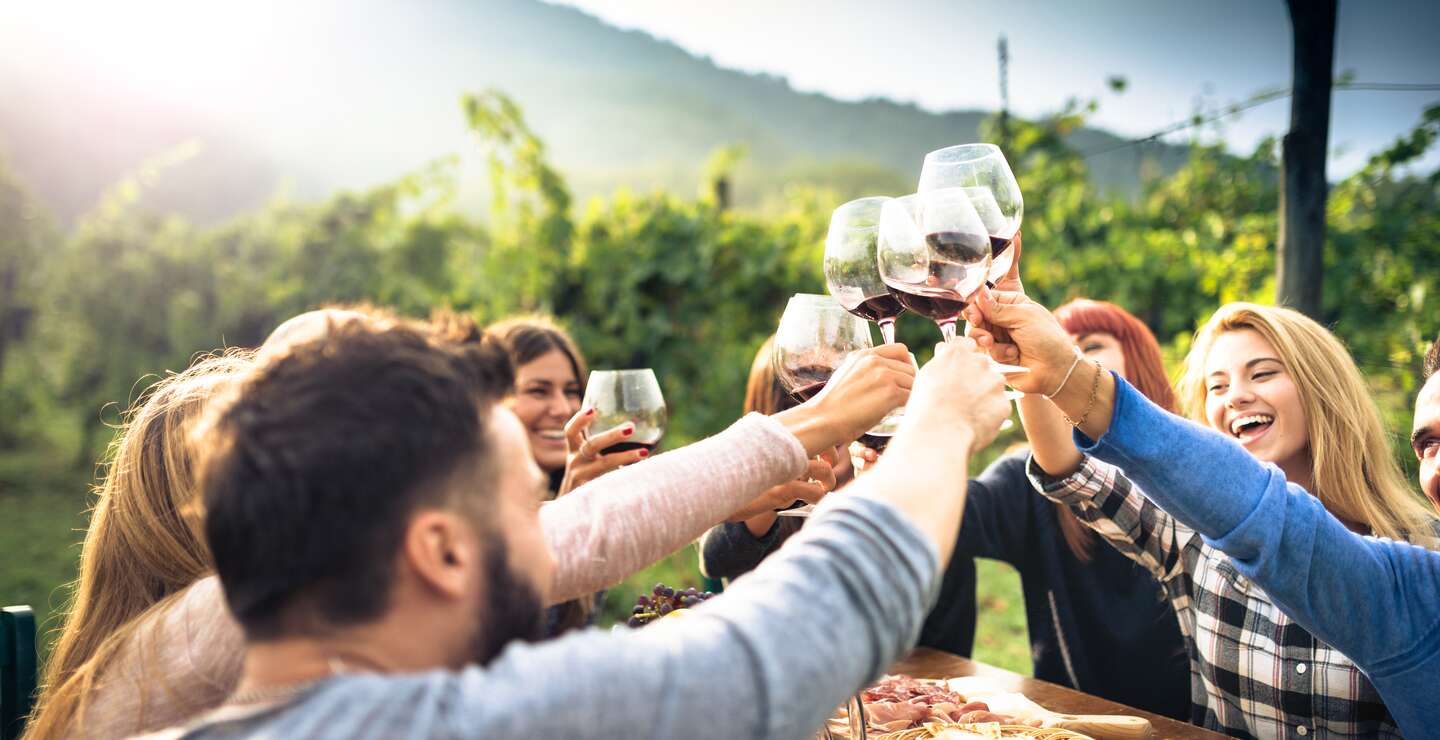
[{"x": 1287, "y": 390}]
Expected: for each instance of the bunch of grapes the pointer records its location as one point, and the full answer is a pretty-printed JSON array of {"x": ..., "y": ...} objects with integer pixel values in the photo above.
[{"x": 664, "y": 600}]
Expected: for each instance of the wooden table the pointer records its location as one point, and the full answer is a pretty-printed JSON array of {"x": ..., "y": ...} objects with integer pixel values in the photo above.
[{"x": 927, "y": 663}]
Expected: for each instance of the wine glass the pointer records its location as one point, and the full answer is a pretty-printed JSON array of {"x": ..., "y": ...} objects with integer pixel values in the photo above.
[
  {"x": 982, "y": 171},
  {"x": 620, "y": 396},
  {"x": 933, "y": 249},
  {"x": 815, "y": 336},
  {"x": 851, "y": 274},
  {"x": 934, "y": 252},
  {"x": 853, "y": 278}
]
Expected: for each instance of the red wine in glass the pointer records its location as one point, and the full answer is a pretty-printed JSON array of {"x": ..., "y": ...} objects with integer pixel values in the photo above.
[
  {"x": 628, "y": 446},
  {"x": 938, "y": 310},
  {"x": 879, "y": 309},
  {"x": 806, "y": 392},
  {"x": 959, "y": 246},
  {"x": 999, "y": 244},
  {"x": 809, "y": 381}
]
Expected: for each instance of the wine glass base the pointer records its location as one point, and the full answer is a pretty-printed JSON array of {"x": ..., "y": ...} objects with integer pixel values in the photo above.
[
  {"x": 1004, "y": 369},
  {"x": 802, "y": 512}
]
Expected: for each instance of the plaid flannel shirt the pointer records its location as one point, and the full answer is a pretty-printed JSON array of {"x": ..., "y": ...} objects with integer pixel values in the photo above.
[{"x": 1254, "y": 672}]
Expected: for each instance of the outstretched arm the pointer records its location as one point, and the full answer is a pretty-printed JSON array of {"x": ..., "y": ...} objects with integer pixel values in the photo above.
[{"x": 1376, "y": 600}]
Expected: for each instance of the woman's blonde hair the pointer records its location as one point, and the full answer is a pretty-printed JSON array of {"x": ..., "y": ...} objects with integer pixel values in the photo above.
[
  {"x": 145, "y": 542},
  {"x": 1353, "y": 469}
]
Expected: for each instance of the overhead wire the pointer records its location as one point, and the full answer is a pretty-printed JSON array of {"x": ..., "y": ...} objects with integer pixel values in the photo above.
[{"x": 1269, "y": 96}]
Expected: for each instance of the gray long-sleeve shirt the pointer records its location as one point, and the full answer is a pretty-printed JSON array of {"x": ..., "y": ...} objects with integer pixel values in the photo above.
[{"x": 770, "y": 658}]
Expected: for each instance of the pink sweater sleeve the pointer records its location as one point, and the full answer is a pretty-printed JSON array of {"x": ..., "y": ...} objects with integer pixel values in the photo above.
[{"x": 623, "y": 521}]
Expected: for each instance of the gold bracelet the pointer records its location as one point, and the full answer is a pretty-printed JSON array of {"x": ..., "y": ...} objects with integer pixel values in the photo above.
[{"x": 1094, "y": 394}]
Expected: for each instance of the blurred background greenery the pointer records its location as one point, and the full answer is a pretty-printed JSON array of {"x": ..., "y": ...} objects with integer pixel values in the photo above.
[{"x": 684, "y": 270}]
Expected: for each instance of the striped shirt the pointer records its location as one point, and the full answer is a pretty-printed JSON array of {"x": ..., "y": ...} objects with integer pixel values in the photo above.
[{"x": 1254, "y": 672}]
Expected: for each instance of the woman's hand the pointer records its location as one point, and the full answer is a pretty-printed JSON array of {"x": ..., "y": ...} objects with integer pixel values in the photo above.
[
  {"x": 1010, "y": 283},
  {"x": 868, "y": 385},
  {"x": 1036, "y": 340},
  {"x": 585, "y": 461},
  {"x": 818, "y": 480}
]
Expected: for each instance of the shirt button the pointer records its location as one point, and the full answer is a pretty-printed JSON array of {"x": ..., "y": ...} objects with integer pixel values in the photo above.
[
  {"x": 1300, "y": 669},
  {"x": 1302, "y": 731}
]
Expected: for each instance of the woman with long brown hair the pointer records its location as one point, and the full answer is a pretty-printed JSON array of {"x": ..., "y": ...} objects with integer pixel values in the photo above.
[
  {"x": 550, "y": 377},
  {"x": 143, "y": 549}
]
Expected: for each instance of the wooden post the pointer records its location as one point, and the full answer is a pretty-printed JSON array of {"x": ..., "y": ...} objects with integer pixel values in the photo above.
[{"x": 1299, "y": 264}]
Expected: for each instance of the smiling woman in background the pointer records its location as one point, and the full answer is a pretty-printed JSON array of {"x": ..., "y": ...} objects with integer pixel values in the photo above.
[{"x": 550, "y": 377}]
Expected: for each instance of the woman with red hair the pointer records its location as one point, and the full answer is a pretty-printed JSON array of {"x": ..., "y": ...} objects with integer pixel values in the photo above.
[{"x": 1108, "y": 333}]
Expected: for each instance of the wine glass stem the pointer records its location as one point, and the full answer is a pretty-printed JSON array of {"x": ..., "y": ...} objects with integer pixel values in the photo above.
[
  {"x": 947, "y": 329},
  {"x": 887, "y": 330}
]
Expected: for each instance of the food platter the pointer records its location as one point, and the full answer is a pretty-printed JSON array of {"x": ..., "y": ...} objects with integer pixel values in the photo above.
[{"x": 900, "y": 707}]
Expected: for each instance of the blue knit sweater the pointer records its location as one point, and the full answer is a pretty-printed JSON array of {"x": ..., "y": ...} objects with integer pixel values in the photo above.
[{"x": 1376, "y": 600}]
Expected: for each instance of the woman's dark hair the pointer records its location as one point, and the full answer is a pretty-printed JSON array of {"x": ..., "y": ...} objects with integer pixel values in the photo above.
[
  {"x": 527, "y": 338},
  {"x": 1143, "y": 368}
]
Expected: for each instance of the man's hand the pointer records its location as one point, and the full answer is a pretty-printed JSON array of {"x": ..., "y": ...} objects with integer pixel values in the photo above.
[{"x": 956, "y": 395}]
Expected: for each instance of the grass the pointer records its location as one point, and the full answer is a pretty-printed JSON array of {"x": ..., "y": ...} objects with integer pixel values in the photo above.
[{"x": 39, "y": 543}]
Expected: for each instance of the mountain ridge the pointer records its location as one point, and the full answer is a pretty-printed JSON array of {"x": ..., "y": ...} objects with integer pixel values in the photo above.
[{"x": 616, "y": 108}]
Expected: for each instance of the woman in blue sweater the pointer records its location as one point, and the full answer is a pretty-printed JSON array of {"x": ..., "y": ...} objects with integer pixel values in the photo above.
[{"x": 1374, "y": 599}]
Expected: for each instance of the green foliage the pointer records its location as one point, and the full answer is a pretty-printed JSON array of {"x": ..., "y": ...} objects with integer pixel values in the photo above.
[
  {"x": 24, "y": 233},
  {"x": 653, "y": 279}
]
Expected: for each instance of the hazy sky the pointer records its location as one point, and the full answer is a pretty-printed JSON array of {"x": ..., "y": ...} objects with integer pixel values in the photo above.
[{"x": 940, "y": 54}]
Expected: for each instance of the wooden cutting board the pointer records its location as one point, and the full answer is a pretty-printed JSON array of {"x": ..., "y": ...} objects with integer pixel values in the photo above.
[{"x": 1001, "y": 701}]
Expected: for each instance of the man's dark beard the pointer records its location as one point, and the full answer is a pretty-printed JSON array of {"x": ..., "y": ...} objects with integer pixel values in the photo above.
[{"x": 512, "y": 609}]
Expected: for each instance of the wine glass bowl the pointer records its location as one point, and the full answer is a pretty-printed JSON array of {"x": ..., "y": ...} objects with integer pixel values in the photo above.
[
  {"x": 621, "y": 396},
  {"x": 933, "y": 250},
  {"x": 851, "y": 274},
  {"x": 815, "y": 335},
  {"x": 984, "y": 172}
]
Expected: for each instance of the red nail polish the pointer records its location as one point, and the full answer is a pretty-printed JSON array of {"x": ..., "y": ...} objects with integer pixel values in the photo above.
[
  {"x": 644, "y": 453},
  {"x": 629, "y": 431},
  {"x": 590, "y": 412}
]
